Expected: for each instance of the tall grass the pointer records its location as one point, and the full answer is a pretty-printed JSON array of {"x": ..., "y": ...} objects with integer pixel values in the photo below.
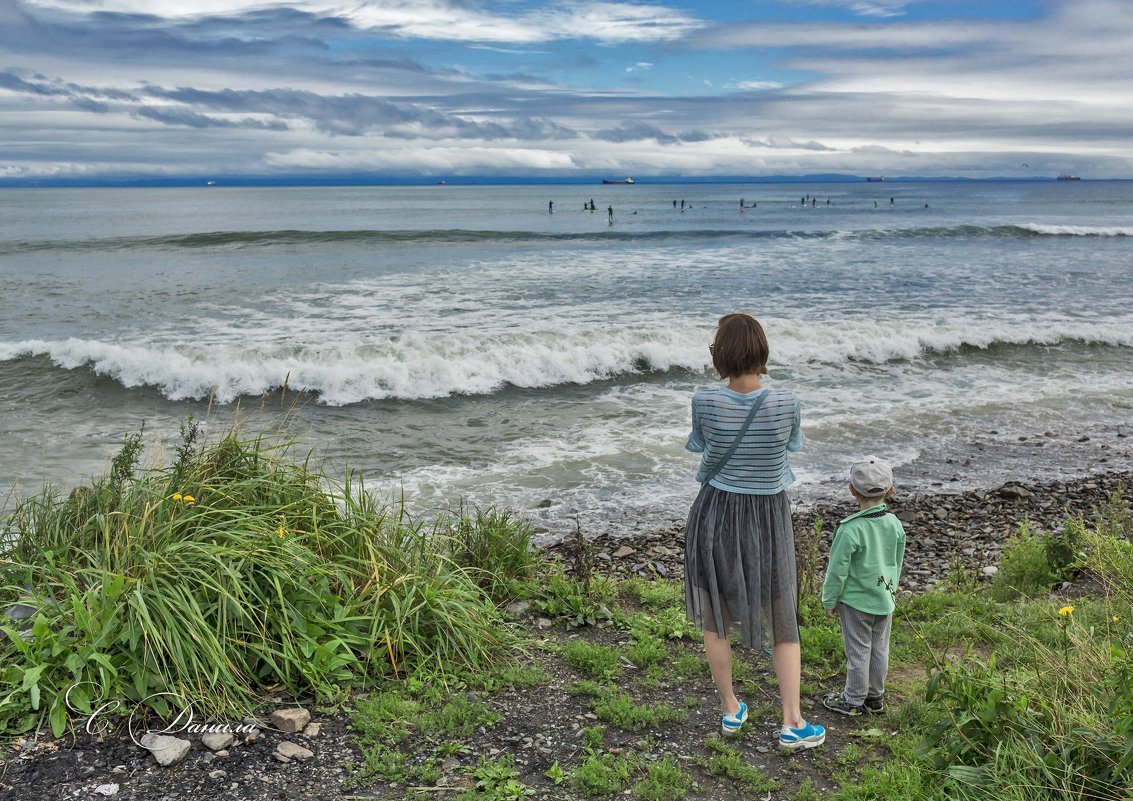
[
  {"x": 234, "y": 570},
  {"x": 1047, "y": 712}
]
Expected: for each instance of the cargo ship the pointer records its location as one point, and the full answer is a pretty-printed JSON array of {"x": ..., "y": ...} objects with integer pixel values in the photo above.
[
  {"x": 623, "y": 181},
  {"x": 877, "y": 179},
  {"x": 1068, "y": 177}
]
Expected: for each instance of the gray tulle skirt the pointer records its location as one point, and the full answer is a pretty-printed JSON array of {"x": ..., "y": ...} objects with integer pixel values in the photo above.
[{"x": 740, "y": 572}]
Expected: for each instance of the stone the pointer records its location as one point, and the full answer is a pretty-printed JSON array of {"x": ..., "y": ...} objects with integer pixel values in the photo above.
[
  {"x": 106, "y": 789},
  {"x": 217, "y": 774},
  {"x": 251, "y": 735},
  {"x": 546, "y": 503},
  {"x": 166, "y": 750},
  {"x": 217, "y": 741},
  {"x": 312, "y": 730},
  {"x": 518, "y": 608},
  {"x": 289, "y": 751},
  {"x": 290, "y": 721},
  {"x": 989, "y": 570},
  {"x": 543, "y": 623},
  {"x": 623, "y": 552}
]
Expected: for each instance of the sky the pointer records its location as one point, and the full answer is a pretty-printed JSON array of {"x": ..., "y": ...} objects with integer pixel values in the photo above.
[{"x": 155, "y": 89}]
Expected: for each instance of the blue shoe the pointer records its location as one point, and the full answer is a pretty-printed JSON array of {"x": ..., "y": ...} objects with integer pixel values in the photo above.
[
  {"x": 810, "y": 735},
  {"x": 731, "y": 723}
]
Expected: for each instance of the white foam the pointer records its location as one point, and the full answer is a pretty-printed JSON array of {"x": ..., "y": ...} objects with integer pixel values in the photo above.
[
  {"x": 344, "y": 367},
  {"x": 1078, "y": 230}
]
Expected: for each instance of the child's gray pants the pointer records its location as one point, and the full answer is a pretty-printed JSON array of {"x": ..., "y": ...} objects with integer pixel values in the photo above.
[{"x": 866, "y": 638}]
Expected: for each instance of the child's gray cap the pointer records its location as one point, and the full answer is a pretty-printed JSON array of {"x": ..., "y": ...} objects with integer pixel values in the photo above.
[{"x": 871, "y": 477}]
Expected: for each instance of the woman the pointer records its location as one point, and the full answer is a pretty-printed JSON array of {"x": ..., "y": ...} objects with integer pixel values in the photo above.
[{"x": 740, "y": 575}]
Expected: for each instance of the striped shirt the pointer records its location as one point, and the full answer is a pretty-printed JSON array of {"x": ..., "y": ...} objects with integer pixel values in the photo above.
[{"x": 759, "y": 465}]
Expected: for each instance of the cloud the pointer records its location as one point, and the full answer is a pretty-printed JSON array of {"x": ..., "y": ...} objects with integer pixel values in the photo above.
[
  {"x": 641, "y": 66},
  {"x": 754, "y": 86},
  {"x": 440, "y": 20}
]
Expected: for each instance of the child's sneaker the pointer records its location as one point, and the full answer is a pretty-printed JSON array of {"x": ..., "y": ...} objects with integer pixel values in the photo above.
[
  {"x": 809, "y": 735},
  {"x": 874, "y": 706},
  {"x": 836, "y": 702},
  {"x": 731, "y": 723}
]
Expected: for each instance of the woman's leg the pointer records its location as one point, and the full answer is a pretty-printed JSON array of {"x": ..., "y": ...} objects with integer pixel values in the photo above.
[
  {"x": 787, "y": 657},
  {"x": 719, "y": 653}
]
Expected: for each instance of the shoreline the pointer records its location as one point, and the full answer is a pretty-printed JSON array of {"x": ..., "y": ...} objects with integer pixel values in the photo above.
[{"x": 966, "y": 528}]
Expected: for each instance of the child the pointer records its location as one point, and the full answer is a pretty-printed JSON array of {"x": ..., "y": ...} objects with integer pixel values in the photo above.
[
  {"x": 740, "y": 571},
  {"x": 861, "y": 579}
]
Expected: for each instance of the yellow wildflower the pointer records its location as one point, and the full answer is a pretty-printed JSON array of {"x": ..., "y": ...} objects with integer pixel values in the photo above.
[
  {"x": 176, "y": 496},
  {"x": 1116, "y": 618},
  {"x": 281, "y": 530},
  {"x": 1066, "y": 610},
  {"x": 189, "y": 499}
]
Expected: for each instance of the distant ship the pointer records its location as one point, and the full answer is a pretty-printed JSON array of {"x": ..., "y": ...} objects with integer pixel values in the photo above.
[
  {"x": 211, "y": 183},
  {"x": 877, "y": 179},
  {"x": 1068, "y": 177},
  {"x": 441, "y": 182},
  {"x": 623, "y": 181}
]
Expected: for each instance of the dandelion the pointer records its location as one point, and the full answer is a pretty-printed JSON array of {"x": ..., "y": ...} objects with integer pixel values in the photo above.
[
  {"x": 1116, "y": 618},
  {"x": 1066, "y": 610},
  {"x": 189, "y": 500},
  {"x": 281, "y": 530},
  {"x": 176, "y": 496}
]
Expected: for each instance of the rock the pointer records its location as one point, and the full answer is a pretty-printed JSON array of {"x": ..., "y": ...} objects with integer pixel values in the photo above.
[
  {"x": 518, "y": 608},
  {"x": 287, "y": 751},
  {"x": 1014, "y": 491},
  {"x": 217, "y": 774},
  {"x": 543, "y": 623},
  {"x": 251, "y": 735},
  {"x": 218, "y": 741},
  {"x": 989, "y": 570},
  {"x": 106, "y": 789},
  {"x": 312, "y": 730},
  {"x": 290, "y": 721},
  {"x": 662, "y": 571},
  {"x": 623, "y": 552},
  {"x": 166, "y": 750},
  {"x": 546, "y": 503}
]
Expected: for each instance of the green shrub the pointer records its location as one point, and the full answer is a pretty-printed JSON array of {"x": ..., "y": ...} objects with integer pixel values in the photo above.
[
  {"x": 1023, "y": 567},
  {"x": 232, "y": 571},
  {"x": 495, "y": 546},
  {"x": 665, "y": 780}
]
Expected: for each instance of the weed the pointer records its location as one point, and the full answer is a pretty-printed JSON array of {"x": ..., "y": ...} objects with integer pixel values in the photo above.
[
  {"x": 603, "y": 774},
  {"x": 496, "y": 780},
  {"x": 620, "y": 710},
  {"x": 724, "y": 760},
  {"x": 599, "y": 661},
  {"x": 664, "y": 780},
  {"x": 1023, "y": 567}
]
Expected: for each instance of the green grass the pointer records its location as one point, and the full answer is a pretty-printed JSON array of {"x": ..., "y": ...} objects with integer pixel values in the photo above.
[
  {"x": 599, "y": 661},
  {"x": 622, "y": 711},
  {"x": 236, "y": 568},
  {"x": 726, "y": 761},
  {"x": 665, "y": 780}
]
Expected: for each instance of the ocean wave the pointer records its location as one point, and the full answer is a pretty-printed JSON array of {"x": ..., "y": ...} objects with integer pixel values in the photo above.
[
  {"x": 414, "y": 367},
  {"x": 292, "y": 237},
  {"x": 425, "y": 365}
]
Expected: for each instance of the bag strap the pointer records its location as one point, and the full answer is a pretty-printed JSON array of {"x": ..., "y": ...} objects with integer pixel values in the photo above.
[{"x": 723, "y": 460}]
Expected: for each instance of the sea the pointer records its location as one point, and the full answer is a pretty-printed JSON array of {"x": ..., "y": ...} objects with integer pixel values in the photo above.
[{"x": 476, "y": 346}]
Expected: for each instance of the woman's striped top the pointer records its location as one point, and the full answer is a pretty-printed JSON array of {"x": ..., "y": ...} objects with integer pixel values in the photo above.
[{"x": 759, "y": 465}]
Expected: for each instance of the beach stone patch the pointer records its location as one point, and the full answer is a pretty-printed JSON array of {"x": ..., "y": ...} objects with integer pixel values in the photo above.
[
  {"x": 287, "y": 751},
  {"x": 217, "y": 741},
  {"x": 166, "y": 750},
  {"x": 290, "y": 721}
]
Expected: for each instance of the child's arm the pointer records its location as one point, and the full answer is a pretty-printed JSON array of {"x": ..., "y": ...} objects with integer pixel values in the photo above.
[
  {"x": 900, "y": 554},
  {"x": 838, "y": 568}
]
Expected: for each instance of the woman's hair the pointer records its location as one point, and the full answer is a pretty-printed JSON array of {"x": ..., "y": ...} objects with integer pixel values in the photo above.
[{"x": 740, "y": 346}]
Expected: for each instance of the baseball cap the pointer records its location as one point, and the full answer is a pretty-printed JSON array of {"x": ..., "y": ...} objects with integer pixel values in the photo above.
[{"x": 871, "y": 477}]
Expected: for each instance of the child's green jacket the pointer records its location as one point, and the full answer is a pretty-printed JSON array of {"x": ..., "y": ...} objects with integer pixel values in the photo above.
[{"x": 865, "y": 561}]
